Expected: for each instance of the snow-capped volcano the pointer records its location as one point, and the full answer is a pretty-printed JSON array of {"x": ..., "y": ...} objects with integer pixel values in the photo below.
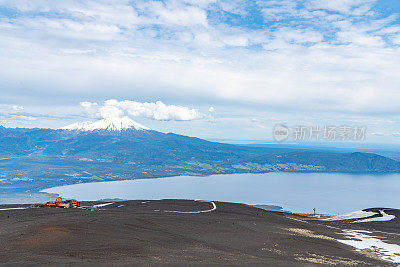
[{"x": 108, "y": 124}]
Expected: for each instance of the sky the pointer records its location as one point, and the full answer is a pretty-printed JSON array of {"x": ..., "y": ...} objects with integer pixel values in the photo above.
[{"x": 214, "y": 69}]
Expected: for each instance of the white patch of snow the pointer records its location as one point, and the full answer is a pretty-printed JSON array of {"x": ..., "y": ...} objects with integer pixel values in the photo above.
[
  {"x": 385, "y": 217},
  {"x": 360, "y": 240},
  {"x": 20, "y": 208},
  {"x": 103, "y": 205},
  {"x": 108, "y": 124},
  {"x": 352, "y": 216}
]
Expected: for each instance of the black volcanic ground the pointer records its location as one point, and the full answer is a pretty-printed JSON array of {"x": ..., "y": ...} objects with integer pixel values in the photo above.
[{"x": 145, "y": 233}]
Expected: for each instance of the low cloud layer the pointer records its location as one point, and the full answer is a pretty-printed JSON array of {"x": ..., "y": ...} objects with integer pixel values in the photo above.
[
  {"x": 15, "y": 113},
  {"x": 87, "y": 104},
  {"x": 156, "y": 111}
]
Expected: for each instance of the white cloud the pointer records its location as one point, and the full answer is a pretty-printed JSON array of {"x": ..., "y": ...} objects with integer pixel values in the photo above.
[
  {"x": 359, "y": 7},
  {"x": 6, "y": 108},
  {"x": 156, "y": 111},
  {"x": 109, "y": 111},
  {"x": 182, "y": 15},
  {"x": 17, "y": 108},
  {"x": 279, "y": 9},
  {"x": 14, "y": 113},
  {"x": 396, "y": 39},
  {"x": 23, "y": 117},
  {"x": 211, "y": 109},
  {"x": 88, "y": 105},
  {"x": 298, "y": 35}
]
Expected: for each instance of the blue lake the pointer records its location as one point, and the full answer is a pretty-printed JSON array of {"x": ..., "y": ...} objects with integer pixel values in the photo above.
[{"x": 297, "y": 192}]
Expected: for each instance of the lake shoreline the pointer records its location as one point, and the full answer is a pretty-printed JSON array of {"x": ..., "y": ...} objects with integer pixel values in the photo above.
[{"x": 296, "y": 192}]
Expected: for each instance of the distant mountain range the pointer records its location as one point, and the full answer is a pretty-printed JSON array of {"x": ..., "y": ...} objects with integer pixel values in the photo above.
[{"x": 119, "y": 148}]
